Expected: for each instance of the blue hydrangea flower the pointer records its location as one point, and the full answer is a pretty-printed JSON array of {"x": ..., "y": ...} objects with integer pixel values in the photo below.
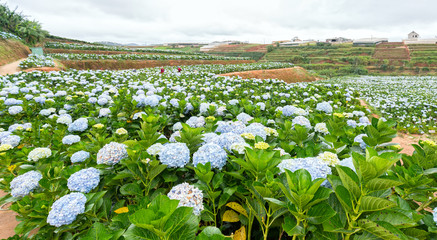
[
  {"x": 175, "y": 155},
  {"x": 79, "y": 125},
  {"x": 359, "y": 139},
  {"x": 188, "y": 196},
  {"x": 315, "y": 166},
  {"x": 209, "y": 137},
  {"x": 111, "y": 153},
  {"x": 226, "y": 140},
  {"x": 79, "y": 156},
  {"x": 352, "y": 123},
  {"x": 14, "y": 110},
  {"x": 257, "y": 129},
  {"x": 236, "y": 127},
  {"x": 12, "y": 140},
  {"x": 324, "y": 107},
  {"x": 65, "y": 210},
  {"x": 25, "y": 183},
  {"x": 212, "y": 153},
  {"x": 244, "y": 117},
  {"x": 196, "y": 122},
  {"x": 301, "y": 120},
  {"x": 84, "y": 180},
  {"x": 70, "y": 139},
  {"x": 288, "y": 110}
]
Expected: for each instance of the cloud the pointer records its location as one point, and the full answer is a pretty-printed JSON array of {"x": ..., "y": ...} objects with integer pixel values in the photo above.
[{"x": 247, "y": 20}]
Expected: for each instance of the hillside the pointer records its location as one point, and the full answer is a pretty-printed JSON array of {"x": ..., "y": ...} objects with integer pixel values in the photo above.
[{"x": 12, "y": 50}]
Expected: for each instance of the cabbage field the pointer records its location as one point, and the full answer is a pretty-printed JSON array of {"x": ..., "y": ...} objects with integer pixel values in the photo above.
[{"x": 140, "y": 154}]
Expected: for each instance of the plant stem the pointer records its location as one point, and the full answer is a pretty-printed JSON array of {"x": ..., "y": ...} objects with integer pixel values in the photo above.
[{"x": 423, "y": 206}]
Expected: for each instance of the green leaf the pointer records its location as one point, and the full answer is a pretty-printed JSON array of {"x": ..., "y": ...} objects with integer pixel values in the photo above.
[
  {"x": 350, "y": 180},
  {"x": 344, "y": 197},
  {"x": 131, "y": 189},
  {"x": 320, "y": 213},
  {"x": 143, "y": 218},
  {"x": 211, "y": 233},
  {"x": 291, "y": 228},
  {"x": 430, "y": 171},
  {"x": 369, "y": 204},
  {"x": 136, "y": 233},
  {"x": 377, "y": 184},
  {"x": 188, "y": 230},
  {"x": 156, "y": 171},
  {"x": 97, "y": 232},
  {"x": 395, "y": 218},
  {"x": 380, "y": 231},
  {"x": 177, "y": 219}
]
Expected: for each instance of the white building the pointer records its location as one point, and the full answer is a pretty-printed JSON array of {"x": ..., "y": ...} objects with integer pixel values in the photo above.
[{"x": 414, "y": 38}]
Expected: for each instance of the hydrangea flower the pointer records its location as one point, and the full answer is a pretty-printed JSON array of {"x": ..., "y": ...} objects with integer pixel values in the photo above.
[
  {"x": 84, "y": 180},
  {"x": 303, "y": 121},
  {"x": 5, "y": 147},
  {"x": 288, "y": 110},
  {"x": 188, "y": 196},
  {"x": 212, "y": 153},
  {"x": 70, "y": 139},
  {"x": 324, "y": 107},
  {"x": 104, "y": 112},
  {"x": 111, "y": 153},
  {"x": 25, "y": 183},
  {"x": 79, "y": 156},
  {"x": 261, "y": 145},
  {"x": 138, "y": 115},
  {"x": 329, "y": 157},
  {"x": 244, "y": 118},
  {"x": 12, "y": 140},
  {"x": 155, "y": 149},
  {"x": 39, "y": 153},
  {"x": 64, "y": 119},
  {"x": 315, "y": 166},
  {"x": 209, "y": 137},
  {"x": 359, "y": 139},
  {"x": 321, "y": 128},
  {"x": 14, "y": 110},
  {"x": 352, "y": 123},
  {"x": 121, "y": 131},
  {"x": 175, "y": 155},
  {"x": 225, "y": 140},
  {"x": 177, "y": 126},
  {"x": 239, "y": 147},
  {"x": 196, "y": 122},
  {"x": 79, "y": 125},
  {"x": 257, "y": 129},
  {"x": 174, "y": 135},
  {"x": 65, "y": 210},
  {"x": 237, "y": 127}
]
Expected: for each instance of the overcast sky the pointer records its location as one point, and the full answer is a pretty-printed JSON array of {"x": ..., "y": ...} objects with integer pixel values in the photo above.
[{"x": 258, "y": 21}]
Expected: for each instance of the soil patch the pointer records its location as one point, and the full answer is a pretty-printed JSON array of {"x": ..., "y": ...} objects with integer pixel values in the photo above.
[
  {"x": 289, "y": 75},
  {"x": 12, "y": 50},
  {"x": 10, "y": 68},
  {"x": 7, "y": 221}
]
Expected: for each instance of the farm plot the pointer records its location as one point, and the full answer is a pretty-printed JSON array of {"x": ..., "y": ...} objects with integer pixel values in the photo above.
[
  {"x": 410, "y": 101},
  {"x": 191, "y": 155}
]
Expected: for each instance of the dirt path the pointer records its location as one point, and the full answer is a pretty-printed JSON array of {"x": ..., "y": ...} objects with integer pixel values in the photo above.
[
  {"x": 7, "y": 221},
  {"x": 10, "y": 68}
]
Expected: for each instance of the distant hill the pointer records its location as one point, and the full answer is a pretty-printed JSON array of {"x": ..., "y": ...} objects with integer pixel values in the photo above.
[{"x": 109, "y": 43}]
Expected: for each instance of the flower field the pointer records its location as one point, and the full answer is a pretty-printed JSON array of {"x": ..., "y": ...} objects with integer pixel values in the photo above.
[
  {"x": 58, "y": 45},
  {"x": 410, "y": 101},
  {"x": 139, "y": 154},
  {"x": 36, "y": 61},
  {"x": 65, "y": 56}
]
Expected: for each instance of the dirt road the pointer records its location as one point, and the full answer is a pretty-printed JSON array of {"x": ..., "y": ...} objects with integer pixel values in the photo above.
[{"x": 10, "y": 68}]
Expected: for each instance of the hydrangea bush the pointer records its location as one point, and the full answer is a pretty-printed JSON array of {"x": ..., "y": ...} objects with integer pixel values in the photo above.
[{"x": 186, "y": 155}]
